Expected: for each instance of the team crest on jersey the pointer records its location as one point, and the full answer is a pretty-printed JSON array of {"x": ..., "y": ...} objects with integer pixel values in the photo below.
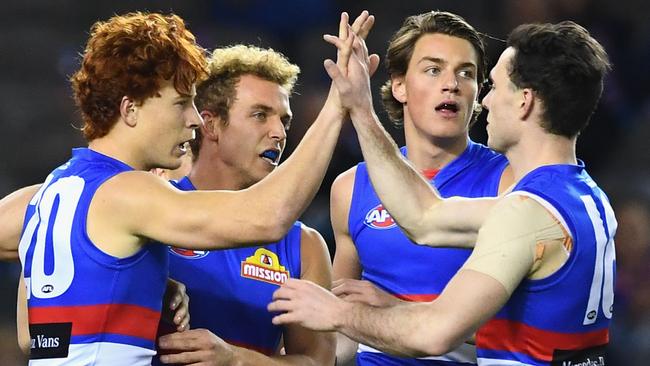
[
  {"x": 188, "y": 253},
  {"x": 379, "y": 218},
  {"x": 264, "y": 266}
]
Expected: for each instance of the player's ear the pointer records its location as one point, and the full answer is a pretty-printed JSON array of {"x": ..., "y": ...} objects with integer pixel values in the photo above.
[
  {"x": 210, "y": 127},
  {"x": 128, "y": 111},
  {"x": 398, "y": 88},
  {"x": 527, "y": 103}
]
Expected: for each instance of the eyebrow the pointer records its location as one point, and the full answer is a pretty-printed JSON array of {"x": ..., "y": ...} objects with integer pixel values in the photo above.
[
  {"x": 441, "y": 61},
  {"x": 182, "y": 98}
]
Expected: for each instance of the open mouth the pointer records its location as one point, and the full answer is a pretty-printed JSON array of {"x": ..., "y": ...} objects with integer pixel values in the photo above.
[
  {"x": 184, "y": 146},
  {"x": 271, "y": 155},
  {"x": 451, "y": 107}
]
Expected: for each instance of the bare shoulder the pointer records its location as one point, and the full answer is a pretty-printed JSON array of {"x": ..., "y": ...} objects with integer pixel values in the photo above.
[
  {"x": 344, "y": 183},
  {"x": 310, "y": 237},
  {"x": 133, "y": 189},
  {"x": 122, "y": 203},
  {"x": 315, "y": 257}
]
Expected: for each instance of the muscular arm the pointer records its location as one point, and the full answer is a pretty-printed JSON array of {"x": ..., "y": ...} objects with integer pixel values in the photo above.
[
  {"x": 346, "y": 260},
  {"x": 12, "y": 216},
  {"x": 214, "y": 219},
  {"x": 506, "y": 252}
]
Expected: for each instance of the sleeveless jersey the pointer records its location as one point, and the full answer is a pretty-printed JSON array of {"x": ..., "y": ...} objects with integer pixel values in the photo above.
[
  {"x": 562, "y": 319},
  {"x": 230, "y": 289},
  {"x": 412, "y": 272},
  {"x": 86, "y": 307}
]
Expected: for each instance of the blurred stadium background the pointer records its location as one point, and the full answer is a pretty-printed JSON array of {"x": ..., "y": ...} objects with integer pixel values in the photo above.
[{"x": 40, "y": 42}]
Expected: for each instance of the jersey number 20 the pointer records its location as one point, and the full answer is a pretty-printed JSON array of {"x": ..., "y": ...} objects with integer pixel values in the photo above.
[{"x": 51, "y": 223}]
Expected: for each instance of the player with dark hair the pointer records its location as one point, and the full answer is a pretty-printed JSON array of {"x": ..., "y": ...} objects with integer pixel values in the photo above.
[
  {"x": 436, "y": 62},
  {"x": 539, "y": 282}
]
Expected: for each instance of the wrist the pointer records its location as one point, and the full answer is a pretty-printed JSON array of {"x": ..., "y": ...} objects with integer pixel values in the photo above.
[
  {"x": 362, "y": 114},
  {"x": 343, "y": 315}
]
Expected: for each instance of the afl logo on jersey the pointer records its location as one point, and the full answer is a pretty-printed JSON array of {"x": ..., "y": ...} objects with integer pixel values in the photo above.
[
  {"x": 188, "y": 253},
  {"x": 379, "y": 218}
]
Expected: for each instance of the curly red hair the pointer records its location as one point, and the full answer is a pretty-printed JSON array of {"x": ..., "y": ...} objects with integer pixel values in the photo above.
[{"x": 130, "y": 55}]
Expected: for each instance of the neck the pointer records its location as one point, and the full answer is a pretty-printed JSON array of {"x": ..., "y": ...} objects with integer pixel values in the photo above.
[
  {"x": 427, "y": 152},
  {"x": 209, "y": 173},
  {"x": 540, "y": 149},
  {"x": 107, "y": 146}
]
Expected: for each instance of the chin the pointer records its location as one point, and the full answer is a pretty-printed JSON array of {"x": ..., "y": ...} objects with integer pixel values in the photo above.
[{"x": 494, "y": 145}]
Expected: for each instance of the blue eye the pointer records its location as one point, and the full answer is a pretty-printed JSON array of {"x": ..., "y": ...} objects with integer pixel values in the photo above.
[
  {"x": 468, "y": 74},
  {"x": 433, "y": 70}
]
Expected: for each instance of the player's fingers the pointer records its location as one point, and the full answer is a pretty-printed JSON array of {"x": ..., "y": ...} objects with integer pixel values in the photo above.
[
  {"x": 185, "y": 341},
  {"x": 183, "y": 358},
  {"x": 359, "y": 21},
  {"x": 366, "y": 27},
  {"x": 373, "y": 63},
  {"x": 280, "y": 306},
  {"x": 332, "y": 70},
  {"x": 285, "y": 318},
  {"x": 343, "y": 25},
  {"x": 176, "y": 301},
  {"x": 355, "y": 297}
]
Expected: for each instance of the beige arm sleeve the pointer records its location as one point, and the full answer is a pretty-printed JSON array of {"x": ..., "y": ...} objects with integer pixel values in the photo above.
[{"x": 519, "y": 239}]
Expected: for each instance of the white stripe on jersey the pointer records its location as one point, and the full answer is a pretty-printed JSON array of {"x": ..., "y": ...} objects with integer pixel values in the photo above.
[
  {"x": 101, "y": 354},
  {"x": 496, "y": 362},
  {"x": 464, "y": 353}
]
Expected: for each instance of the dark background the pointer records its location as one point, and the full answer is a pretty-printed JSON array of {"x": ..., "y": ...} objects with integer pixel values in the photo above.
[{"x": 40, "y": 41}]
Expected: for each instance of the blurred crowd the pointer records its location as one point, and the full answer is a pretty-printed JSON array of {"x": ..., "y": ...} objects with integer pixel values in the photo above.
[{"x": 40, "y": 41}]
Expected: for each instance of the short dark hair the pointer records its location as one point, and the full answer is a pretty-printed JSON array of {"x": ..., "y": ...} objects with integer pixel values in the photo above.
[
  {"x": 402, "y": 44},
  {"x": 565, "y": 66}
]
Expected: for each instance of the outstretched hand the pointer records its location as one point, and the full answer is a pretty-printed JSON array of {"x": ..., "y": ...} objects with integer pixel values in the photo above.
[
  {"x": 307, "y": 304},
  {"x": 350, "y": 42},
  {"x": 361, "y": 28},
  {"x": 351, "y": 73},
  {"x": 363, "y": 292},
  {"x": 196, "y": 346}
]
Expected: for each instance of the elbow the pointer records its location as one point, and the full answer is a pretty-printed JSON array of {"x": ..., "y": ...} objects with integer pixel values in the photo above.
[
  {"x": 435, "y": 345},
  {"x": 443, "y": 340},
  {"x": 422, "y": 234},
  {"x": 439, "y": 347},
  {"x": 273, "y": 230},
  {"x": 25, "y": 344}
]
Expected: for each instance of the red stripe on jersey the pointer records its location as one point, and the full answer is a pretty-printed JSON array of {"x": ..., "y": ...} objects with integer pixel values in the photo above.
[
  {"x": 417, "y": 297},
  {"x": 124, "y": 319},
  {"x": 506, "y": 335}
]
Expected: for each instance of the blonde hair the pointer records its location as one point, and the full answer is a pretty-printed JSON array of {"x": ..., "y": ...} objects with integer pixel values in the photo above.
[{"x": 226, "y": 65}]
